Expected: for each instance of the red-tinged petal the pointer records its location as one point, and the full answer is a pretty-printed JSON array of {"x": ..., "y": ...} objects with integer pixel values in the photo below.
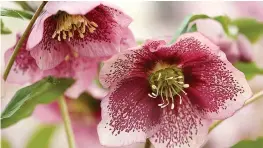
[
  {"x": 128, "y": 114},
  {"x": 104, "y": 41},
  {"x": 71, "y": 7},
  {"x": 181, "y": 127},
  {"x": 135, "y": 62},
  {"x": 127, "y": 40},
  {"x": 49, "y": 52},
  {"x": 216, "y": 86},
  {"x": 24, "y": 69}
]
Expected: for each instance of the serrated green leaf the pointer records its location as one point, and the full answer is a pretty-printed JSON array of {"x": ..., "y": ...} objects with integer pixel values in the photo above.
[
  {"x": 4, "y": 30},
  {"x": 224, "y": 20},
  {"x": 42, "y": 137},
  {"x": 250, "y": 143},
  {"x": 21, "y": 14},
  {"x": 26, "y": 99},
  {"x": 249, "y": 69},
  {"x": 5, "y": 143},
  {"x": 250, "y": 27}
]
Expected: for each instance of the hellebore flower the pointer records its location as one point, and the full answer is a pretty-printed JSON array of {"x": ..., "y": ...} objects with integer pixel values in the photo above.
[
  {"x": 91, "y": 29},
  {"x": 83, "y": 69},
  {"x": 85, "y": 116},
  {"x": 239, "y": 50},
  {"x": 169, "y": 94}
]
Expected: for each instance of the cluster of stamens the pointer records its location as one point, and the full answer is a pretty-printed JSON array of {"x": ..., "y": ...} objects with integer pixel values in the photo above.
[
  {"x": 167, "y": 83},
  {"x": 67, "y": 24}
]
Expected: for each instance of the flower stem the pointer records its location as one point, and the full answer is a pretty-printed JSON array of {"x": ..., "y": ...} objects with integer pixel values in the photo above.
[
  {"x": 67, "y": 123},
  {"x": 147, "y": 143},
  {"x": 249, "y": 101},
  {"x": 22, "y": 39}
]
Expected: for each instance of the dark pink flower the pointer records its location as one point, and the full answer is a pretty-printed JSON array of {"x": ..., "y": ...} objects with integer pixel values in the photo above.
[
  {"x": 168, "y": 93},
  {"x": 92, "y": 29},
  {"x": 82, "y": 69}
]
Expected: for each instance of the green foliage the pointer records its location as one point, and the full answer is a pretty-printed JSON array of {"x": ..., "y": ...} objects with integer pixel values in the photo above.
[
  {"x": 5, "y": 143},
  {"x": 250, "y": 143},
  {"x": 21, "y": 14},
  {"x": 249, "y": 69},
  {"x": 26, "y": 99},
  {"x": 184, "y": 27},
  {"x": 250, "y": 27},
  {"x": 193, "y": 28},
  {"x": 42, "y": 137},
  {"x": 25, "y": 5},
  {"x": 4, "y": 30}
]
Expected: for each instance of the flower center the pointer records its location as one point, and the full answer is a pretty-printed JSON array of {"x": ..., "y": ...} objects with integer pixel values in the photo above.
[
  {"x": 67, "y": 24},
  {"x": 167, "y": 83}
]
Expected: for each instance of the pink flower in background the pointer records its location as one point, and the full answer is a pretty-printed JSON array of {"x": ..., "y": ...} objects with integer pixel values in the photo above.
[
  {"x": 24, "y": 69},
  {"x": 85, "y": 116},
  {"x": 83, "y": 69},
  {"x": 169, "y": 94},
  {"x": 91, "y": 29},
  {"x": 239, "y": 50}
]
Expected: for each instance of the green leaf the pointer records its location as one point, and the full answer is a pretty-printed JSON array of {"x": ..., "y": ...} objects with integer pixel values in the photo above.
[
  {"x": 250, "y": 143},
  {"x": 250, "y": 27},
  {"x": 21, "y": 14},
  {"x": 4, "y": 30},
  {"x": 25, "y": 5},
  {"x": 5, "y": 143},
  {"x": 26, "y": 99},
  {"x": 249, "y": 69},
  {"x": 193, "y": 28},
  {"x": 42, "y": 137},
  {"x": 224, "y": 20}
]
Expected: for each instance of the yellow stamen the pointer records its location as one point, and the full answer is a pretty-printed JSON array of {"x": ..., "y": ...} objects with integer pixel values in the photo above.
[{"x": 67, "y": 24}]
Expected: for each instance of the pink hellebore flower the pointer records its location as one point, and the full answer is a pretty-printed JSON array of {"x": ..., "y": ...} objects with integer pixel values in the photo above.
[
  {"x": 239, "y": 50},
  {"x": 83, "y": 69},
  {"x": 168, "y": 93},
  {"x": 92, "y": 29},
  {"x": 85, "y": 116},
  {"x": 84, "y": 119}
]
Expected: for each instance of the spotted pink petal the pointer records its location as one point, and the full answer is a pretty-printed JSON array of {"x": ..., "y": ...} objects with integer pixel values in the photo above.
[
  {"x": 105, "y": 40},
  {"x": 48, "y": 53},
  {"x": 24, "y": 69},
  {"x": 216, "y": 86},
  {"x": 128, "y": 114},
  {"x": 181, "y": 127},
  {"x": 127, "y": 40},
  {"x": 129, "y": 63}
]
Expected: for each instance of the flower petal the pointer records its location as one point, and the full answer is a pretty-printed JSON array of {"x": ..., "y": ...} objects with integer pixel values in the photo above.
[
  {"x": 127, "y": 40},
  {"x": 49, "y": 52},
  {"x": 104, "y": 41},
  {"x": 216, "y": 86},
  {"x": 130, "y": 63},
  {"x": 245, "y": 48},
  {"x": 118, "y": 15},
  {"x": 48, "y": 113},
  {"x": 71, "y": 7},
  {"x": 24, "y": 69},
  {"x": 181, "y": 127},
  {"x": 128, "y": 114}
]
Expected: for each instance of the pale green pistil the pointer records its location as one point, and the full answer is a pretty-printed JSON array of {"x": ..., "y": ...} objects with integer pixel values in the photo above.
[{"x": 167, "y": 83}]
